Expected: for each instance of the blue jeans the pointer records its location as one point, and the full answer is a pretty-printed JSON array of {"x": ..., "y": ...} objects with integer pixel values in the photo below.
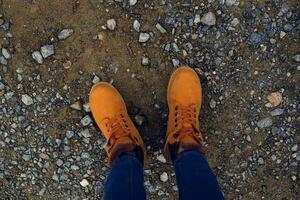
[{"x": 195, "y": 179}]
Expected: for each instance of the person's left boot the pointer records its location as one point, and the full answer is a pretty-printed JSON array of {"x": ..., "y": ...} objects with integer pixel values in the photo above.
[{"x": 110, "y": 114}]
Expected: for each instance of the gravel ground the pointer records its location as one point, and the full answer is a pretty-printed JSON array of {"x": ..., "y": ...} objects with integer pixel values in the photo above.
[{"x": 52, "y": 52}]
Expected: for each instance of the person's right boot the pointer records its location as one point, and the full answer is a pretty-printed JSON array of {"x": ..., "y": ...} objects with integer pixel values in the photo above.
[{"x": 184, "y": 101}]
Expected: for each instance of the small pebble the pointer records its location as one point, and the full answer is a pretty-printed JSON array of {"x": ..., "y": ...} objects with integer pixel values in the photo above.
[
  {"x": 47, "y": 50},
  {"x": 144, "y": 37},
  {"x": 136, "y": 25},
  {"x": 164, "y": 177},
  {"x": 86, "y": 120},
  {"x": 37, "y": 56},
  {"x": 264, "y": 123},
  {"x": 209, "y": 19},
  {"x": 84, "y": 183},
  {"x": 6, "y": 53},
  {"x": 64, "y": 34},
  {"x": 27, "y": 100},
  {"x": 111, "y": 24}
]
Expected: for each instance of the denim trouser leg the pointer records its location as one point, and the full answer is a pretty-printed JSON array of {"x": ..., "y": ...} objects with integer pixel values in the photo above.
[
  {"x": 126, "y": 180},
  {"x": 195, "y": 179}
]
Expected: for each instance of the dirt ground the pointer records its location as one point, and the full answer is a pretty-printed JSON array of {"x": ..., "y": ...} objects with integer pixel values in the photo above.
[{"x": 117, "y": 59}]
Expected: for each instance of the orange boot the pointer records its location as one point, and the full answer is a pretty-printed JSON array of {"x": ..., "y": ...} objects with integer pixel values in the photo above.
[
  {"x": 110, "y": 114},
  {"x": 184, "y": 101}
]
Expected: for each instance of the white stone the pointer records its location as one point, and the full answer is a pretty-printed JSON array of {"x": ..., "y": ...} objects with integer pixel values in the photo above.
[
  {"x": 136, "y": 25},
  {"x": 197, "y": 19},
  {"x": 64, "y": 34},
  {"x": 37, "y": 56},
  {"x": 47, "y": 50},
  {"x": 132, "y": 2},
  {"x": 84, "y": 183},
  {"x": 6, "y": 53},
  {"x": 27, "y": 100},
  {"x": 160, "y": 28},
  {"x": 164, "y": 177},
  {"x": 111, "y": 24},
  {"x": 144, "y": 37},
  {"x": 161, "y": 158},
  {"x": 209, "y": 19},
  {"x": 86, "y": 120}
]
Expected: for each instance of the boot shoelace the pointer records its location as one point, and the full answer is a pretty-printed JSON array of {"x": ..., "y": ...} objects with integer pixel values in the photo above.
[
  {"x": 118, "y": 128},
  {"x": 185, "y": 123}
]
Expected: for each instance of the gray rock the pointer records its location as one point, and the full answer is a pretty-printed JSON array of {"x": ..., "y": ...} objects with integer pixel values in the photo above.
[
  {"x": 59, "y": 162},
  {"x": 64, "y": 34},
  {"x": 85, "y": 133},
  {"x": 136, "y": 25},
  {"x": 3, "y": 61},
  {"x": 277, "y": 111},
  {"x": 230, "y": 3},
  {"x": 160, "y": 28},
  {"x": 294, "y": 148},
  {"x": 47, "y": 50},
  {"x": 175, "y": 62},
  {"x": 132, "y": 2},
  {"x": 86, "y": 120},
  {"x": 212, "y": 103},
  {"x": 69, "y": 134},
  {"x": 26, "y": 157},
  {"x": 145, "y": 61},
  {"x": 264, "y": 123},
  {"x": 6, "y": 53},
  {"x": 164, "y": 177},
  {"x": 144, "y": 37},
  {"x": 297, "y": 58},
  {"x": 260, "y": 161},
  {"x": 111, "y": 24},
  {"x": 209, "y": 19},
  {"x": 37, "y": 56},
  {"x": 96, "y": 79},
  {"x": 27, "y": 100}
]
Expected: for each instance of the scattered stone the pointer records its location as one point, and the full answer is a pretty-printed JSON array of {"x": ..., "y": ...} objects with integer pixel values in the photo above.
[
  {"x": 275, "y": 98},
  {"x": 145, "y": 61},
  {"x": 65, "y": 33},
  {"x": 230, "y": 3},
  {"x": 27, "y": 100},
  {"x": 160, "y": 28},
  {"x": 264, "y": 123},
  {"x": 212, "y": 103},
  {"x": 6, "y": 54},
  {"x": 295, "y": 148},
  {"x": 76, "y": 105},
  {"x": 261, "y": 161},
  {"x": 209, "y": 19},
  {"x": 297, "y": 58},
  {"x": 59, "y": 162},
  {"x": 3, "y": 61},
  {"x": 235, "y": 22},
  {"x": 84, "y": 183},
  {"x": 282, "y": 34},
  {"x": 26, "y": 157},
  {"x": 248, "y": 138},
  {"x": 136, "y": 25},
  {"x": 132, "y": 2},
  {"x": 277, "y": 112},
  {"x": 161, "y": 158},
  {"x": 111, "y": 24},
  {"x": 85, "y": 133},
  {"x": 96, "y": 79},
  {"x": 197, "y": 19},
  {"x": 144, "y": 37},
  {"x": 86, "y": 120},
  {"x": 164, "y": 177},
  {"x": 69, "y": 134},
  {"x": 37, "y": 56},
  {"x": 86, "y": 107},
  {"x": 175, "y": 62},
  {"x": 47, "y": 50}
]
